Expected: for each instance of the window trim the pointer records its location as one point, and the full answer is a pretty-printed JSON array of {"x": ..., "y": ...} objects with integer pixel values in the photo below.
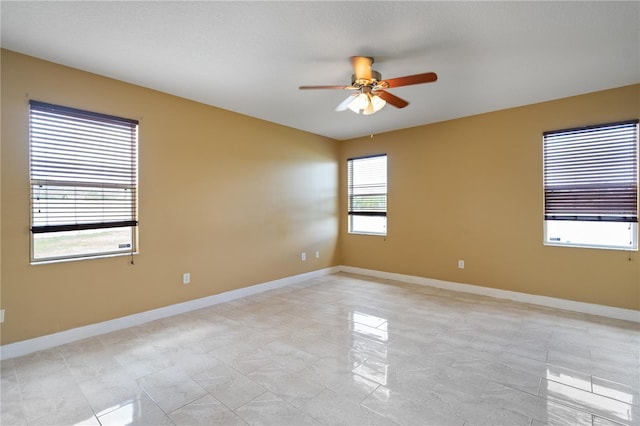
[
  {"x": 590, "y": 177},
  {"x": 63, "y": 159},
  {"x": 351, "y": 213}
]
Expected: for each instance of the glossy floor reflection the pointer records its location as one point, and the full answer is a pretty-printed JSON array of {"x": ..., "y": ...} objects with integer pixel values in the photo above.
[{"x": 340, "y": 350}]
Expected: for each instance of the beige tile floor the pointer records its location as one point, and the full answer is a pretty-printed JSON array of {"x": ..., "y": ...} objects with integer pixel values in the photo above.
[{"x": 340, "y": 350}]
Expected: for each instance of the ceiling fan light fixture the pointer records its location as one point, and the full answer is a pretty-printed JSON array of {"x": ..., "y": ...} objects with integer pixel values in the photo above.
[
  {"x": 359, "y": 103},
  {"x": 367, "y": 103},
  {"x": 377, "y": 102},
  {"x": 369, "y": 89}
]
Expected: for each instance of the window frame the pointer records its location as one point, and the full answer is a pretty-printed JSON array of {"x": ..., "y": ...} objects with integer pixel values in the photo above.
[
  {"x": 83, "y": 173},
  {"x": 590, "y": 179},
  {"x": 379, "y": 211}
]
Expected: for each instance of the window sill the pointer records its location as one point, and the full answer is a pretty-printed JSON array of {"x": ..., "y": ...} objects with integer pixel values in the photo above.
[
  {"x": 586, "y": 246},
  {"x": 78, "y": 258},
  {"x": 373, "y": 234}
]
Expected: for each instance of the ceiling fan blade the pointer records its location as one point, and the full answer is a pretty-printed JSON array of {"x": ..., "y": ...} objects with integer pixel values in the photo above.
[
  {"x": 392, "y": 99},
  {"x": 342, "y": 106},
  {"x": 408, "y": 80},
  {"x": 362, "y": 67},
  {"x": 325, "y": 87}
]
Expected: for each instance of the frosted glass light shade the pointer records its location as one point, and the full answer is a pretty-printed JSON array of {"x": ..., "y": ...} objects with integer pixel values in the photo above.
[{"x": 367, "y": 104}]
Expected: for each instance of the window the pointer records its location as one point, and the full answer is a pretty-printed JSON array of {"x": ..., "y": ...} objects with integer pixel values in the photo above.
[
  {"x": 591, "y": 186},
  {"x": 367, "y": 193},
  {"x": 83, "y": 171}
]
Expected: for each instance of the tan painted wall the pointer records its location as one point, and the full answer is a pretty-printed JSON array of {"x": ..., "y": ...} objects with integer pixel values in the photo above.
[
  {"x": 471, "y": 189},
  {"x": 234, "y": 200},
  {"x": 231, "y": 199}
]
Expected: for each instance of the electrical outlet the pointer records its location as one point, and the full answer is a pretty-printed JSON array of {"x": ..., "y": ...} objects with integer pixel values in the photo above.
[
  {"x": 303, "y": 256},
  {"x": 317, "y": 254},
  {"x": 186, "y": 278},
  {"x": 461, "y": 264},
  {"x": 1, "y": 315}
]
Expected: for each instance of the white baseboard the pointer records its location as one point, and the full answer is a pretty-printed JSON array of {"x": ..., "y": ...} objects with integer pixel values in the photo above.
[
  {"x": 25, "y": 347},
  {"x": 551, "y": 302}
]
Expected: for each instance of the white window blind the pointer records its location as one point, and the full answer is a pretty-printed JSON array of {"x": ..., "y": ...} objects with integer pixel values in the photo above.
[
  {"x": 591, "y": 173},
  {"x": 367, "y": 194},
  {"x": 83, "y": 168}
]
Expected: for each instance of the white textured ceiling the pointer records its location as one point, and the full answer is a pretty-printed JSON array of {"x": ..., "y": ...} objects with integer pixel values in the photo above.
[{"x": 250, "y": 57}]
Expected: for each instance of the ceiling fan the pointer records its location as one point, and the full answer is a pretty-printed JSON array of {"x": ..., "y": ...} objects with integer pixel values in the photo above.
[{"x": 369, "y": 94}]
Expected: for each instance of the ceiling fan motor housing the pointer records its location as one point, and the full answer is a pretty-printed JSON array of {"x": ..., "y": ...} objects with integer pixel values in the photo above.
[{"x": 375, "y": 78}]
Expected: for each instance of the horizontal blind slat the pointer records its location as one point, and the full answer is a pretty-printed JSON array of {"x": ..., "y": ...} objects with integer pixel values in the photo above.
[
  {"x": 83, "y": 168},
  {"x": 367, "y": 186},
  {"x": 592, "y": 173}
]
